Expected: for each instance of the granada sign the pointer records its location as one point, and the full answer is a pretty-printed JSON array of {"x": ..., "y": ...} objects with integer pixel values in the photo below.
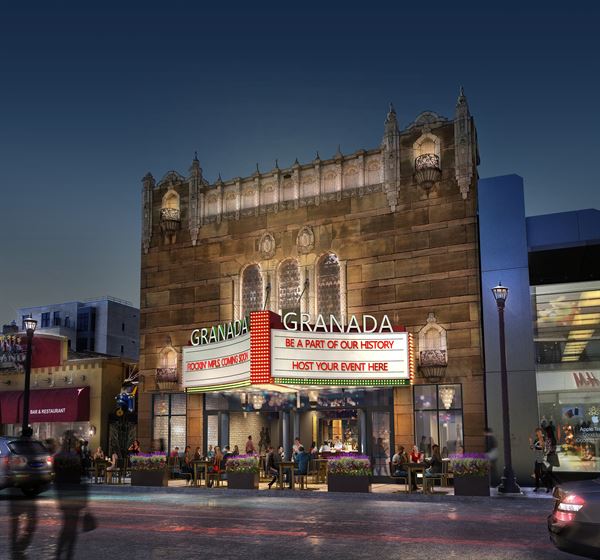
[{"x": 360, "y": 352}]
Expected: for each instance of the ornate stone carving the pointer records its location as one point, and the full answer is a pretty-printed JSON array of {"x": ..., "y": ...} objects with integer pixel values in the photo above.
[
  {"x": 391, "y": 157},
  {"x": 464, "y": 162},
  {"x": 305, "y": 241},
  {"x": 148, "y": 186},
  {"x": 266, "y": 246}
]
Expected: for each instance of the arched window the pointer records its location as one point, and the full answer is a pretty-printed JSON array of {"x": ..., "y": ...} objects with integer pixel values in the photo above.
[
  {"x": 427, "y": 145},
  {"x": 252, "y": 289},
  {"x": 328, "y": 286},
  {"x": 373, "y": 173},
  {"x": 170, "y": 206},
  {"x": 350, "y": 178},
  {"x": 289, "y": 287}
]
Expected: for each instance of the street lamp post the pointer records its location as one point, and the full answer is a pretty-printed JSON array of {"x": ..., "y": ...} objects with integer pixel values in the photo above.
[
  {"x": 508, "y": 484},
  {"x": 30, "y": 325}
]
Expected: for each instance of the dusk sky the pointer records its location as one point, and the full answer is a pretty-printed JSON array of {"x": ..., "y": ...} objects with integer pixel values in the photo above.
[{"x": 92, "y": 99}]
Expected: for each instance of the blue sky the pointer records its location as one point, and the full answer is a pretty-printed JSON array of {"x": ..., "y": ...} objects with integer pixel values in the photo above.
[{"x": 94, "y": 95}]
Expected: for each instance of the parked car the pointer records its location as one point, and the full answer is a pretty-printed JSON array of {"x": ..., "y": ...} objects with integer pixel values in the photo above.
[
  {"x": 25, "y": 463},
  {"x": 574, "y": 524}
]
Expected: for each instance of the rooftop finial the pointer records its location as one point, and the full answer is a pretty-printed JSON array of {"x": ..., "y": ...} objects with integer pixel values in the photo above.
[
  {"x": 257, "y": 169},
  {"x": 318, "y": 157},
  {"x": 338, "y": 154},
  {"x": 296, "y": 162},
  {"x": 195, "y": 155},
  {"x": 462, "y": 98},
  {"x": 219, "y": 180},
  {"x": 276, "y": 164}
]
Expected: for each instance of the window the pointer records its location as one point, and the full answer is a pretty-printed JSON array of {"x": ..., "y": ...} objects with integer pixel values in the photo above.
[
  {"x": 438, "y": 418},
  {"x": 82, "y": 344},
  {"x": 122, "y": 349},
  {"x": 328, "y": 286},
  {"x": 56, "y": 319},
  {"x": 289, "y": 287},
  {"x": 45, "y": 320},
  {"x": 567, "y": 345},
  {"x": 169, "y": 420},
  {"x": 83, "y": 321},
  {"x": 122, "y": 327},
  {"x": 67, "y": 322},
  {"x": 252, "y": 289}
]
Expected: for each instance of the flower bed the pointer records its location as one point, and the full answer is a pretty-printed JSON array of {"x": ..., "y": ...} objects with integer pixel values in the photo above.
[
  {"x": 471, "y": 474},
  {"x": 242, "y": 464},
  {"x": 148, "y": 462},
  {"x": 355, "y": 465},
  {"x": 242, "y": 472},
  {"x": 349, "y": 474}
]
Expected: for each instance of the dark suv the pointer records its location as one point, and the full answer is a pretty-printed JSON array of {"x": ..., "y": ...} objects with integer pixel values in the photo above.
[{"x": 26, "y": 464}]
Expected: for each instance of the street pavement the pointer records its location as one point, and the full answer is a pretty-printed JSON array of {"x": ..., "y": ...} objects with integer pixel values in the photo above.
[{"x": 220, "y": 523}]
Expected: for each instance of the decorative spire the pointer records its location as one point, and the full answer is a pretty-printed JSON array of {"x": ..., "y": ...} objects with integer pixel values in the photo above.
[
  {"x": 318, "y": 158},
  {"x": 296, "y": 163},
  {"x": 276, "y": 164},
  {"x": 219, "y": 180},
  {"x": 338, "y": 154},
  {"x": 462, "y": 98},
  {"x": 195, "y": 155},
  {"x": 195, "y": 169},
  {"x": 391, "y": 116},
  {"x": 257, "y": 172}
]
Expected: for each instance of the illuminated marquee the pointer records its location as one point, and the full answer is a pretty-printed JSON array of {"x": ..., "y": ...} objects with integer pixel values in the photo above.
[{"x": 361, "y": 352}]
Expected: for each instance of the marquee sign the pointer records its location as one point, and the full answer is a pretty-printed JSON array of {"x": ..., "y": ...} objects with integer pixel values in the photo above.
[{"x": 363, "y": 352}]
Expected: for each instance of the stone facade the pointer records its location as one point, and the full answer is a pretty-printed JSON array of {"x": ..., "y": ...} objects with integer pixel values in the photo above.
[{"x": 406, "y": 239}]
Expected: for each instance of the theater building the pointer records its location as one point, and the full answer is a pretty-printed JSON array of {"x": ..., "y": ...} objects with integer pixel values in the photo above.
[{"x": 388, "y": 232}]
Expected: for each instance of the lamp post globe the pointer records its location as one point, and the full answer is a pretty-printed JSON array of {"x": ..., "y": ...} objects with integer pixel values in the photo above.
[
  {"x": 508, "y": 483},
  {"x": 30, "y": 324}
]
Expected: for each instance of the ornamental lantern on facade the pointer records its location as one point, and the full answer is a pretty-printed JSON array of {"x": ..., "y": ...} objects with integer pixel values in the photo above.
[{"x": 433, "y": 352}]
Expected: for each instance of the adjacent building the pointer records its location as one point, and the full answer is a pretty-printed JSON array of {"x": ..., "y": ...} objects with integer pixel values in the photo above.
[
  {"x": 107, "y": 325},
  {"x": 69, "y": 391}
]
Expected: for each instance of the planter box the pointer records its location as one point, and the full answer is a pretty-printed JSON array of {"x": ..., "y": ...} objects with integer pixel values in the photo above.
[
  {"x": 471, "y": 485},
  {"x": 242, "y": 481},
  {"x": 341, "y": 483},
  {"x": 149, "y": 478}
]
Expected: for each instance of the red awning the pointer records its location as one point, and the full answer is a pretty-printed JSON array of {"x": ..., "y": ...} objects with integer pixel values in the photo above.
[{"x": 70, "y": 404}]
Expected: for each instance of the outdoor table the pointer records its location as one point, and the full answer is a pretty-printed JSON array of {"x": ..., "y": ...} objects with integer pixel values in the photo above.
[
  {"x": 196, "y": 464},
  {"x": 321, "y": 465},
  {"x": 282, "y": 467},
  {"x": 413, "y": 469}
]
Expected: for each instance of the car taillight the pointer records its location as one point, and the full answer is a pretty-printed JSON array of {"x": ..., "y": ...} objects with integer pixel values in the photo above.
[
  {"x": 18, "y": 461},
  {"x": 49, "y": 460},
  {"x": 568, "y": 506}
]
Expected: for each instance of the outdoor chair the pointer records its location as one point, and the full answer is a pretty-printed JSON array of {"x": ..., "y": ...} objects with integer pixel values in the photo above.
[
  {"x": 399, "y": 479},
  {"x": 428, "y": 481}
]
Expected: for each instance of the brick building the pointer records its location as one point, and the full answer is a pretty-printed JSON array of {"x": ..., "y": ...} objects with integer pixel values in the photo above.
[{"x": 385, "y": 231}]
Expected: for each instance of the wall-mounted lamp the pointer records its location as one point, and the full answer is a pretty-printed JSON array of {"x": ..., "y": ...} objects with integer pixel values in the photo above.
[{"x": 92, "y": 431}]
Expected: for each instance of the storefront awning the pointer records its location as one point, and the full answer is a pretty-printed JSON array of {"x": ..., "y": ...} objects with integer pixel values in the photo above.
[{"x": 70, "y": 404}]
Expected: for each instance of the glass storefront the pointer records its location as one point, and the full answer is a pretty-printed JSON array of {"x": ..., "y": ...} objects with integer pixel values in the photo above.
[
  {"x": 334, "y": 419},
  {"x": 438, "y": 418},
  {"x": 567, "y": 347},
  {"x": 169, "y": 421}
]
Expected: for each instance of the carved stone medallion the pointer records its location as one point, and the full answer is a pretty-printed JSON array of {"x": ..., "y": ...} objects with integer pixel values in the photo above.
[
  {"x": 305, "y": 241},
  {"x": 266, "y": 246}
]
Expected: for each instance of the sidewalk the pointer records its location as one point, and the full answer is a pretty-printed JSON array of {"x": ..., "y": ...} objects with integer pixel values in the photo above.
[{"x": 379, "y": 491}]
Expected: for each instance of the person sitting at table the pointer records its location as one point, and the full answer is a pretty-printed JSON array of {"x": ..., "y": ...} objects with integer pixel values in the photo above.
[
  {"x": 400, "y": 462},
  {"x": 197, "y": 455},
  {"x": 435, "y": 464},
  {"x": 187, "y": 460},
  {"x": 99, "y": 454},
  {"x": 314, "y": 450},
  {"x": 211, "y": 453},
  {"x": 415, "y": 456},
  {"x": 236, "y": 451},
  {"x": 217, "y": 462},
  {"x": 112, "y": 466},
  {"x": 134, "y": 448},
  {"x": 301, "y": 461},
  {"x": 272, "y": 461},
  {"x": 325, "y": 448}
]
